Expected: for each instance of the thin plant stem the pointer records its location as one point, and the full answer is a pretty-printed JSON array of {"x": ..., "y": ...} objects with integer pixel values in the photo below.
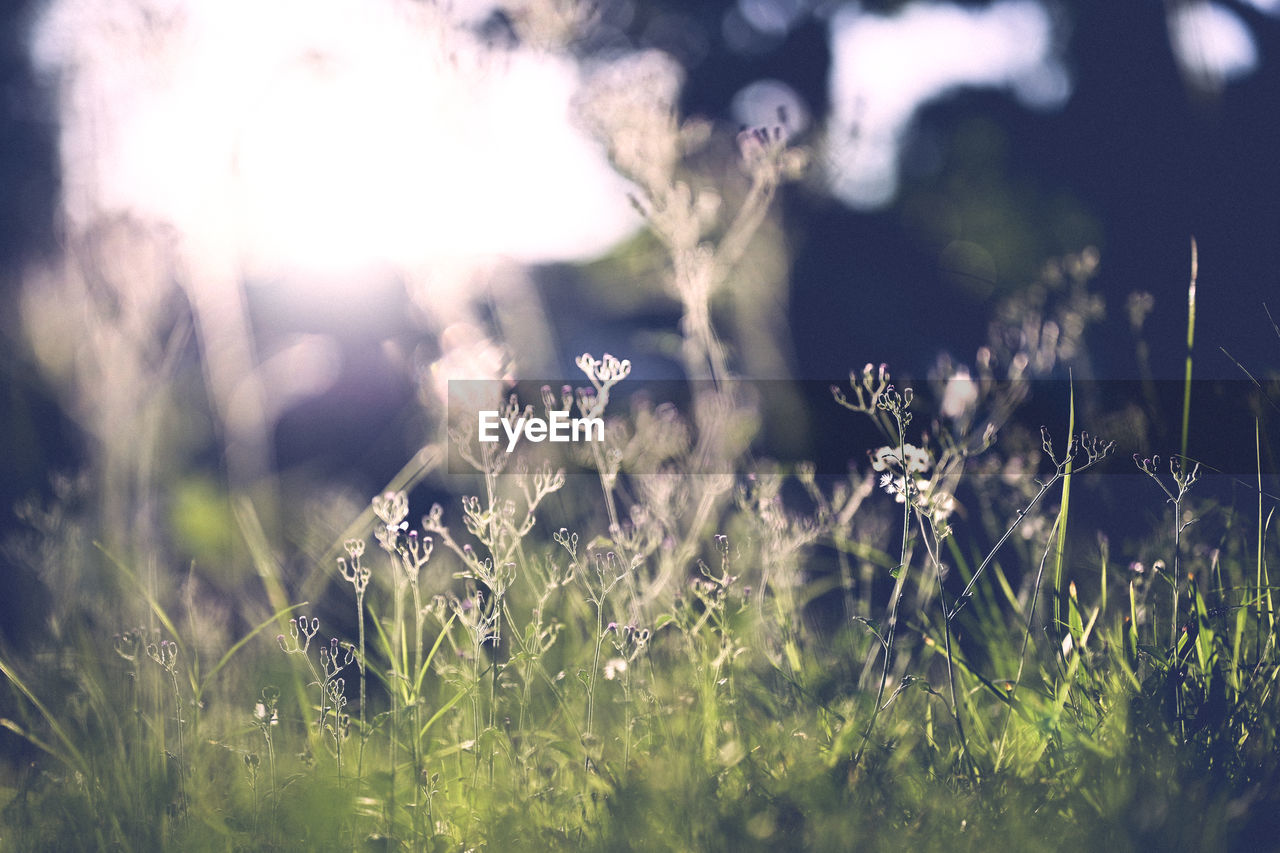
[
  {"x": 1059, "y": 473},
  {"x": 946, "y": 632},
  {"x": 897, "y": 595}
]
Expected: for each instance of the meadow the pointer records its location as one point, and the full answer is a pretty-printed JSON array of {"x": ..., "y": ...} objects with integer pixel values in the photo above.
[
  {"x": 639, "y": 654},
  {"x": 664, "y": 640}
]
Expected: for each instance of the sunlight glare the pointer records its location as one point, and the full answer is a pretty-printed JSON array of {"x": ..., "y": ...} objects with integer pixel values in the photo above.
[
  {"x": 886, "y": 67},
  {"x": 1212, "y": 45},
  {"x": 318, "y": 140}
]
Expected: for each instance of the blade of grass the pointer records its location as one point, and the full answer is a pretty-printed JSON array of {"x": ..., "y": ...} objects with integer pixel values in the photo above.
[
  {"x": 76, "y": 759},
  {"x": 1257, "y": 447},
  {"x": 1237, "y": 642},
  {"x": 401, "y": 680},
  {"x": 1131, "y": 640},
  {"x": 1264, "y": 577},
  {"x": 1060, "y": 546},
  {"x": 264, "y": 561},
  {"x": 435, "y": 647},
  {"x": 440, "y": 712},
  {"x": 1206, "y": 640},
  {"x": 1075, "y": 622},
  {"x": 1104, "y": 547},
  {"x": 1252, "y": 378},
  {"x": 260, "y": 552},
  {"x": 1026, "y": 641},
  {"x": 18, "y": 730},
  {"x": 154, "y": 605},
  {"x": 1191, "y": 338}
]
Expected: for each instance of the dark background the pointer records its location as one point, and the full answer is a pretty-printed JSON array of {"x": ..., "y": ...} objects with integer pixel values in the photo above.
[{"x": 1149, "y": 162}]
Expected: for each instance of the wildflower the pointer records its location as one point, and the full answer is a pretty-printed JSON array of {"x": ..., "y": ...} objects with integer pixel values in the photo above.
[
  {"x": 917, "y": 459},
  {"x": 941, "y": 505},
  {"x": 613, "y": 668},
  {"x": 896, "y": 486},
  {"x": 265, "y": 716},
  {"x": 882, "y": 458}
]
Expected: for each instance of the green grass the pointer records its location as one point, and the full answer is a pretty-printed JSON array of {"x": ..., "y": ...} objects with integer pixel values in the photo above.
[{"x": 574, "y": 689}]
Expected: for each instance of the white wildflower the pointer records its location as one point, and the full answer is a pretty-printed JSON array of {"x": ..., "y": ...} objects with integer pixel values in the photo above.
[{"x": 918, "y": 459}]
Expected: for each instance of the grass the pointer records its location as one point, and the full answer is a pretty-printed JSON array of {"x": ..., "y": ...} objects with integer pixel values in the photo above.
[{"x": 566, "y": 690}]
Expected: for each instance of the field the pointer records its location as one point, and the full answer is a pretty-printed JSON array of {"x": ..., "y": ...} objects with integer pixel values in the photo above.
[{"x": 1014, "y": 613}]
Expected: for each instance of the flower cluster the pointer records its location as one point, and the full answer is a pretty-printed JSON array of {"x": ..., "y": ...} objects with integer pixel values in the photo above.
[
  {"x": 605, "y": 371},
  {"x": 905, "y": 474}
]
